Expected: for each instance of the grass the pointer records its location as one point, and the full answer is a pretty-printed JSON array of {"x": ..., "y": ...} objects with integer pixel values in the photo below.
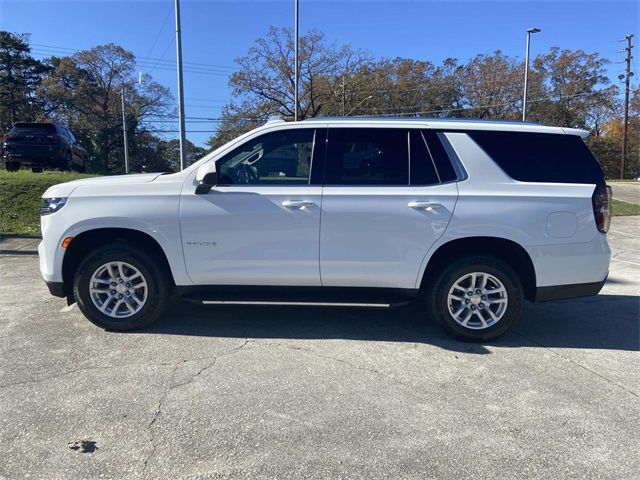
[
  {"x": 20, "y": 194},
  {"x": 621, "y": 208}
]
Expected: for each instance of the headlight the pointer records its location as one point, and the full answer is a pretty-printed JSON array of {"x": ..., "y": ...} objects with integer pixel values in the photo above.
[{"x": 52, "y": 205}]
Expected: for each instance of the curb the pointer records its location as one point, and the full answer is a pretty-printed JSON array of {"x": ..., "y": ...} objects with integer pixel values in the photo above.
[{"x": 20, "y": 235}]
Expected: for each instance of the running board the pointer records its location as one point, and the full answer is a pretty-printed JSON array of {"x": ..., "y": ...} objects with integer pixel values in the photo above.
[
  {"x": 307, "y": 304},
  {"x": 297, "y": 296}
]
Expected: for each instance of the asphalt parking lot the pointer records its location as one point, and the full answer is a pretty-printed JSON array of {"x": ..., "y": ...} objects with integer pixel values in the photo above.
[{"x": 229, "y": 392}]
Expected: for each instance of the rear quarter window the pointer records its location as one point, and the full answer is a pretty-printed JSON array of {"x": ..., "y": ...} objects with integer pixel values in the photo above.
[{"x": 541, "y": 157}]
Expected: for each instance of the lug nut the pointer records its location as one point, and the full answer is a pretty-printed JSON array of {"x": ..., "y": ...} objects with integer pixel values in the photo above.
[
  {"x": 128, "y": 293},
  {"x": 477, "y": 291},
  {"x": 120, "y": 280},
  {"x": 113, "y": 292},
  {"x": 120, "y": 296},
  {"x": 128, "y": 284},
  {"x": 466, "y": 301},
  {"x": 113, "y": 284},
  {"x": 484, "y": 297},
  {"x": 473, "y": 307}
]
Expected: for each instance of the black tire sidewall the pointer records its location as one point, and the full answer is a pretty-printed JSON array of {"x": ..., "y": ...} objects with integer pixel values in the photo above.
[
  {"x": 503, "y": 272},
  {"x": 147, "y": 265}
]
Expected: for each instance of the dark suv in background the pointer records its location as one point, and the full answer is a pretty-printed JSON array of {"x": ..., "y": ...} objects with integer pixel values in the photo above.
[{"x": 42, "y": 145}]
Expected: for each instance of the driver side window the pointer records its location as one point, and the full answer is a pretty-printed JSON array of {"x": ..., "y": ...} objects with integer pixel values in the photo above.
[{"x": 278, "y": 158}]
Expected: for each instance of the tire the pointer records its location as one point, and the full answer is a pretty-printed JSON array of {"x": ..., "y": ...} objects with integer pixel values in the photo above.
[
  {"x": 12, "y": 166},
  {"x": 36, "y": 169},
  {"x": 83, "y": 168},
  {"x": 66, "y": 163},
  {"x": 119, "y": 311},
  {"x": 490, "y": 306}
]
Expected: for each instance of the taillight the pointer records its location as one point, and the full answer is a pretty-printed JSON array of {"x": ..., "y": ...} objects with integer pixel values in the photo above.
[
  {"x": 56, "y": 138},
  {"x": 602, "y": 207},
  {"x": 6, "y": 137}
]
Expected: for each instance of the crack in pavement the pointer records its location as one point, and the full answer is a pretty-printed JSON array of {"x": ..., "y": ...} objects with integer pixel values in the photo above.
[
  {"x": 577, "y": 364},
  {"x": 108, "y": 367},
  {"x": 173, "y": 386},
  {"x": 393, "y": 380}
]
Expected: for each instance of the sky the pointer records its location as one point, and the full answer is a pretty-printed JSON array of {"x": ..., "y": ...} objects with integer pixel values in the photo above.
[{"x": 214, "y": 33}]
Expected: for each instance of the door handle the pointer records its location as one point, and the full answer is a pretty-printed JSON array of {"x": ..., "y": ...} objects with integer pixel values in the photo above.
[
  {"x": 424, "y": 205},
  {"x": 299, "y": 204}
]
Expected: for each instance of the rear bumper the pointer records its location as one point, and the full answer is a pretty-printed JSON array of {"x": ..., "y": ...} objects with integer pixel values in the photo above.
[
  {"x": 28, "y": 156},
  {"x": 561, "y": 292}
]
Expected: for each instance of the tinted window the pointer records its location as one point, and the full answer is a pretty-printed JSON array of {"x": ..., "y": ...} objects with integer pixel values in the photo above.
[
  {"x": 277, "y": 158},
  {"x": 541, "y": 157},
  {"x": 367, "y": 156},
  {"x": 440, "y": 157},
  {"x": 35, "y": 128},
  {"x": 423, "y": 171}
]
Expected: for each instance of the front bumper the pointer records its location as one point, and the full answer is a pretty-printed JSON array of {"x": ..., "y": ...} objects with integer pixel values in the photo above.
[{"x": 56, "y": 289}]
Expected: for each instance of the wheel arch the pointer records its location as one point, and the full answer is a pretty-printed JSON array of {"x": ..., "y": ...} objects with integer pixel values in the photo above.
[
  {"x": 510, "y": 252},
  {"x": 89, "y": 240}
]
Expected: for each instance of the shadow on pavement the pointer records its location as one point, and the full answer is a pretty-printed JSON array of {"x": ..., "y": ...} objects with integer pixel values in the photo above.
[{"x": 601, "y": 322}]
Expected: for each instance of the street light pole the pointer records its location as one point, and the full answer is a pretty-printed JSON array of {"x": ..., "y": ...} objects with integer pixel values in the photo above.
[
  {"x": 124, "y": 132},
  {"x": 526, "y": 72},
  {"x": 180, "y": 87},
  {"x": 295, "y": 61}
]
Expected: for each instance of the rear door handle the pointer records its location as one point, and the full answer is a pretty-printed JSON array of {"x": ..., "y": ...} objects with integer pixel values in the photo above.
[
  {"x": 424, "y": 205},
  {"x": 298, "y": 204}
]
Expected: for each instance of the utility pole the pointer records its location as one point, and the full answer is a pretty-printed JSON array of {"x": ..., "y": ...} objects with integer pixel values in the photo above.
[
  {"x": 183, "y": 141},
  {"x": 295, "y": 61},
  {"x": 526, "y": 72},
  {"x": 628, "y": 74},
  {"x": 342, "y": 106},
  {"x": 124, "y": 132}
]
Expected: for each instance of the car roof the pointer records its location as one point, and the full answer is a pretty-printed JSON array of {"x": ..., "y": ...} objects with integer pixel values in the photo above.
[
  {"x": 35, "y": 124},
  {"x": 446, "y": 124}
]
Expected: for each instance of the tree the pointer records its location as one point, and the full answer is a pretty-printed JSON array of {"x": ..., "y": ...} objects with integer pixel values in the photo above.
[
  {"x": 264, "y": 82},
  {"x": 574, "y": 90},
  {"x": 400, "y": 86},
  {"x": 20, "y": 74},
  {"x": 193, "y": 153},
  {"x": 84, "y": 91},
  {"x": 492, "y": 86}
]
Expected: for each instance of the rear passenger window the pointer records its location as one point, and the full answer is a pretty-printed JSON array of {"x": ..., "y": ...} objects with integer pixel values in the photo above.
[
  {"x": 440, "y": 157},
  {"x": 423, "y": 171},
  {"x": 541, "y": 157},
  {"x": 367, "y": 156}
]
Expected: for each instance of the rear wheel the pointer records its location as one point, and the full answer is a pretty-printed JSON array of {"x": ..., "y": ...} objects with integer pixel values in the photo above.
[
  {"x": 36, "y": 169},
  {"x": 477, "y": 298},
  {"x": 119, "y": 287}
]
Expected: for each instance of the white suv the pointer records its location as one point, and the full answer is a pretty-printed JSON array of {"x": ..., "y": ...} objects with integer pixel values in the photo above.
[{"x": 472, "y": 217}]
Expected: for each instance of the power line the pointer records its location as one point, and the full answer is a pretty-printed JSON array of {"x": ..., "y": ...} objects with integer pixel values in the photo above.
[
  {"x": 160, "y": 31},
  {"x": 172, "y": 62}
]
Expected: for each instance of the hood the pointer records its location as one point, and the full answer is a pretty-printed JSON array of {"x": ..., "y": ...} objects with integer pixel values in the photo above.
[{"x": 65, "y": 189}]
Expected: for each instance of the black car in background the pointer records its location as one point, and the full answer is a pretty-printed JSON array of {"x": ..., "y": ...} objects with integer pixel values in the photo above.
[{"x": 42, "y": 145}]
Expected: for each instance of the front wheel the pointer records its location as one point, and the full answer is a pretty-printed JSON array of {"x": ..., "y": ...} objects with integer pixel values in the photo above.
[
  {"x": 476, "y": 299},
  {"x": 12, "y": 166},
  {"x": 119, "y": 287}
]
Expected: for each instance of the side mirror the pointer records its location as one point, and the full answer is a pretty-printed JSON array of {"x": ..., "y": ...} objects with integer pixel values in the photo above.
[{"x": 209, "y": 180}]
